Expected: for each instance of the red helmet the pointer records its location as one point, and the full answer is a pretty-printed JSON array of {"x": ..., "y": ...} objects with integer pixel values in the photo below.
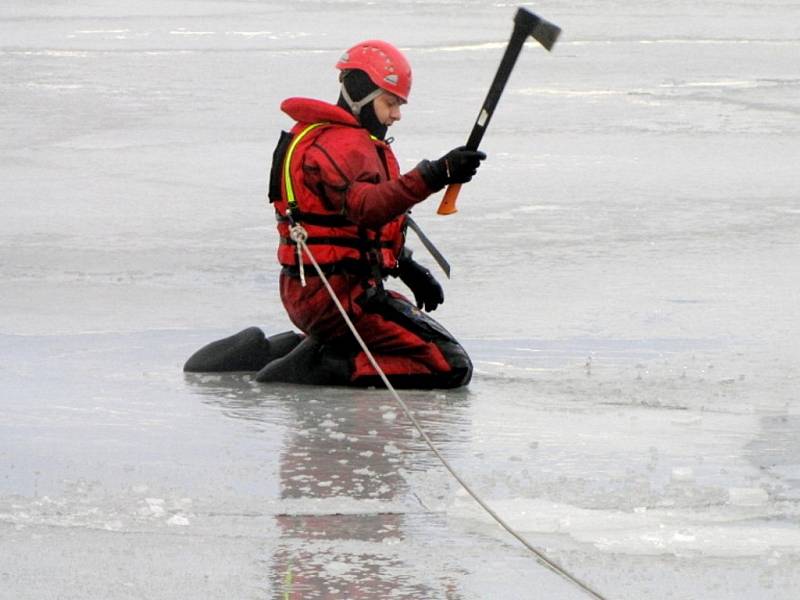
[{"x": 385, "y": 65}]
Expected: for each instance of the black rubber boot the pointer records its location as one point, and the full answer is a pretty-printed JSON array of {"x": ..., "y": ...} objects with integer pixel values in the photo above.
[
  {"x": 248, "y": 350},
  {"x": 310, "y": 363}
]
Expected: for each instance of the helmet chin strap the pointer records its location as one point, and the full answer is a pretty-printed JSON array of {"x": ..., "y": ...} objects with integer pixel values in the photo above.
[{"x": 356, "y": 106}]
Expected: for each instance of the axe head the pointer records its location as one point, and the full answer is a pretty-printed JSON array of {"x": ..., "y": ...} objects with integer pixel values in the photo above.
[{"x": 542, "y": 31}]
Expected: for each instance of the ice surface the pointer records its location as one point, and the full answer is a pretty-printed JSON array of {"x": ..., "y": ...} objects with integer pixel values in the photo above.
[{"x": 625, "y": 276}]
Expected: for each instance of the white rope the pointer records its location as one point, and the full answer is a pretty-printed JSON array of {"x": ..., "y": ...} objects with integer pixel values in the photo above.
[{"x": 299, "y": 235}]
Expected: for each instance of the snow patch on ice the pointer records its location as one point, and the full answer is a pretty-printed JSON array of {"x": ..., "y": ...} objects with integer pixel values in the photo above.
[
  {"x": 186, "y": 32},
  {"x": 682, "y": 474},
  {"x": 391, "y": 449},
  {"x": 730, "y": 531},
  {"x": 337, "y": 568},
  {"x": 178, "y": 520},
  {"x": 718, "y": 83},
  {"x": 747, "y": 496},
  {"x": 155, "y": 507}
]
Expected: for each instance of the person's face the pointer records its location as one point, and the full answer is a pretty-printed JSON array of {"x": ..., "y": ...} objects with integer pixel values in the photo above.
[{"x": 387, "y": 108}]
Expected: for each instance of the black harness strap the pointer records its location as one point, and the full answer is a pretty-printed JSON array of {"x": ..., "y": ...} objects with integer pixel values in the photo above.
[
  {"x": 344, "y": 267},
  {"x": 317, "y": 219},
  {"x": 337, "y": 241}
]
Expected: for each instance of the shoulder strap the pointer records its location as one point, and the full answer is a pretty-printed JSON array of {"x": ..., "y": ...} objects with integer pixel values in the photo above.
[{"x": 287, "y": 163}]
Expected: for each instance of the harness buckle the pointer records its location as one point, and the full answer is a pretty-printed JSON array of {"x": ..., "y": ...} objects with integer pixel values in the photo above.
[{"x": 299, "y": 235}]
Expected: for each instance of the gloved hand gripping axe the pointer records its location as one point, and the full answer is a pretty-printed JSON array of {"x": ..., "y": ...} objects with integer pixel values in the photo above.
[{"x": 525, "y": 23}]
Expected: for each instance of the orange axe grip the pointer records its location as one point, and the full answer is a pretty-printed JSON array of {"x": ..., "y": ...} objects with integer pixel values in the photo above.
[{"x": 448, "y": 204}]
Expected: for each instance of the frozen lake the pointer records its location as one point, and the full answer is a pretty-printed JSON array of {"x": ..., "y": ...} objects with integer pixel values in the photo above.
[{"x": 626, "y": 276}]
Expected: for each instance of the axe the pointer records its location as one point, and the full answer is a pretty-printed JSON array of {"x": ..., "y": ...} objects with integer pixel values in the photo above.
[{"x": 525, "y": 23}]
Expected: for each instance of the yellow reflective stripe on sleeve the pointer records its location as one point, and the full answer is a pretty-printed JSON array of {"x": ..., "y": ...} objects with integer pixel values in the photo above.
[{"x": 287, "y": 163}]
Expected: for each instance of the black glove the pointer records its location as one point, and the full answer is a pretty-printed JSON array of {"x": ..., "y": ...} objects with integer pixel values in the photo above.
[
  {"x": 427, "y": 291},
  {"x": 457, "y": 166}
]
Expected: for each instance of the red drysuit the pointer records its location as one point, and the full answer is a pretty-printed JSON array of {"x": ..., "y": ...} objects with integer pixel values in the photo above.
[{"x": 348, "y": 193}]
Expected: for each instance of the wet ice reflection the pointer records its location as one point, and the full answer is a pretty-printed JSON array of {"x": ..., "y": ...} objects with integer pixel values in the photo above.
[{"x": 344, "y": 497}]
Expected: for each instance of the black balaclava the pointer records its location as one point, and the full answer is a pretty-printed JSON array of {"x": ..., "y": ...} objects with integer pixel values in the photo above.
[{"x": 358, "y": 86}]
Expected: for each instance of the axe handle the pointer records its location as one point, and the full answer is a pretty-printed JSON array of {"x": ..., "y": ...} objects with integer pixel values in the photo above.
[
  {"x": 448, "y": 204},
  {"x": 524, "y": 24}
]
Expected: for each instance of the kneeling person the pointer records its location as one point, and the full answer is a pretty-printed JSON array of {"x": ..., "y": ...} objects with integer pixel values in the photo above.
[{"x": 336, "y": 175}]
